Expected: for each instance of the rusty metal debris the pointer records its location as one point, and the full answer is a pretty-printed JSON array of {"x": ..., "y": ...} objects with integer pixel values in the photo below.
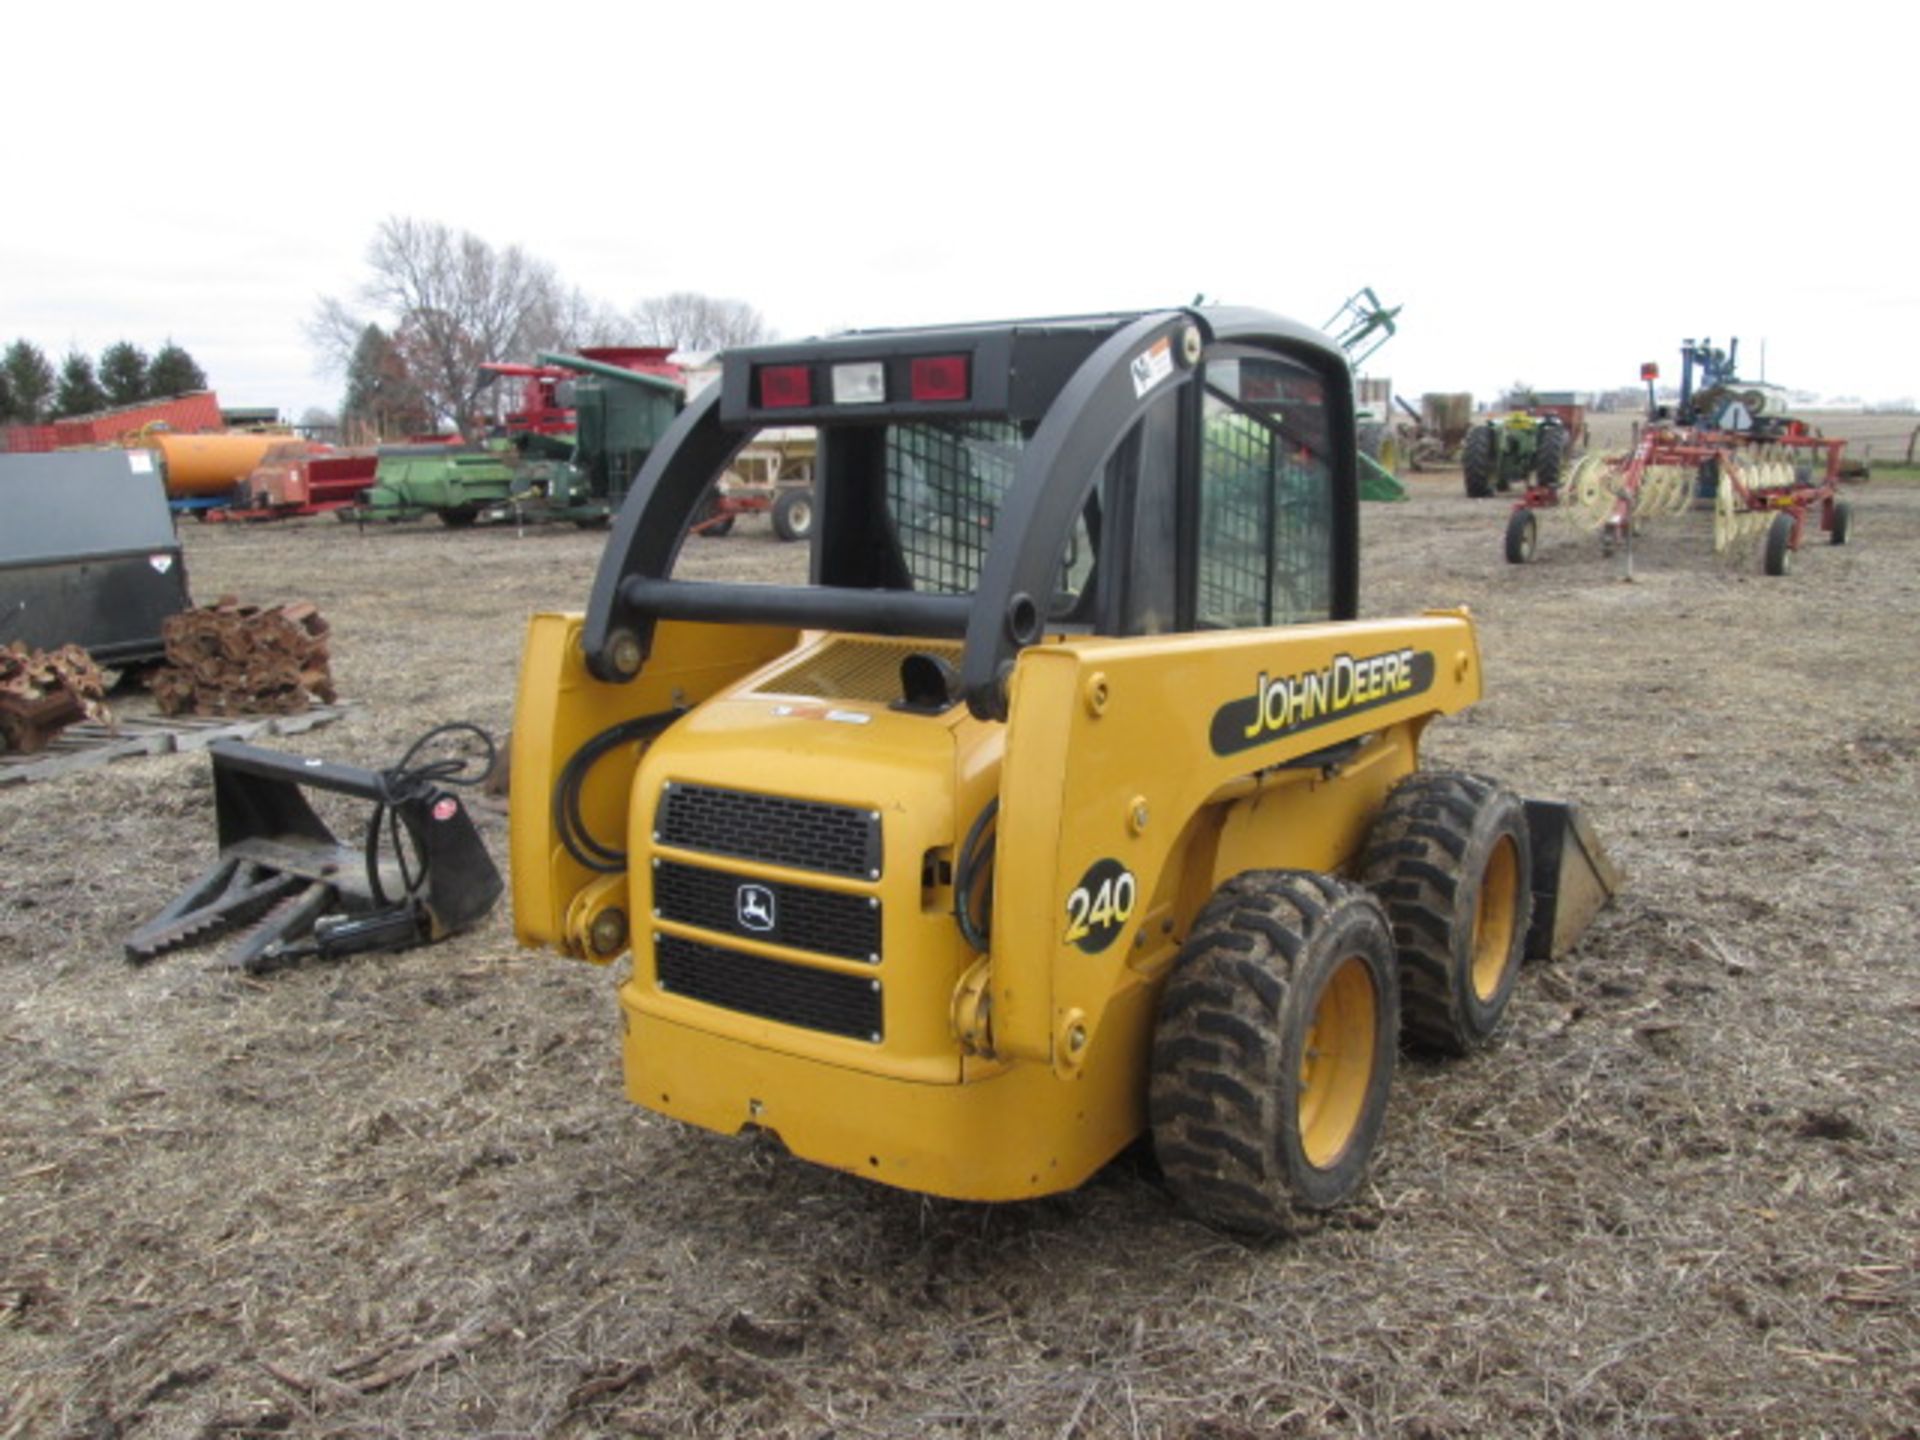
[
  {"x": 43, "y": 691},
  {"x": 234, "y": 659}
]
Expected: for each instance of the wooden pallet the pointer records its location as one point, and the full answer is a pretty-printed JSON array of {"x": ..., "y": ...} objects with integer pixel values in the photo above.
[{"x": 83, "y": 746}]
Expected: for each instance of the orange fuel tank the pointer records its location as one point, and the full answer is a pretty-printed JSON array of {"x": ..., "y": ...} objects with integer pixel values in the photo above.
[{"x": 202, "y": 465}]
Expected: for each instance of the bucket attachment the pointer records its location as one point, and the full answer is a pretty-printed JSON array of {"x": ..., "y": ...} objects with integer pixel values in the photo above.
[
  {"x": 282, "y": 867},
  {"x": 1572, "y": 877}
]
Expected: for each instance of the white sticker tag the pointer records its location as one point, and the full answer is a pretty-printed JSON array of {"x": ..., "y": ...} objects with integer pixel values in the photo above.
[
  {"x": 1152, "y": 365},
  {"x": 162, "y": 563},
  {"x": 140, "y": 462}
]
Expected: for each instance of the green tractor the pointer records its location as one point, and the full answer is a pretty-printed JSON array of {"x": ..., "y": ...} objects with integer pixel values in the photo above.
[{"x": 1509, "y": 448}]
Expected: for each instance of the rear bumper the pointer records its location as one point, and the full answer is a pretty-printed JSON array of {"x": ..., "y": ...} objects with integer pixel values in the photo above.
[{"x": 1016, "y": 1132}]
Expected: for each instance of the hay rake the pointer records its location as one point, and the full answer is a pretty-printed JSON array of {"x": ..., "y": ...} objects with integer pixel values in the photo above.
[{"x": 1758, "y": 488}]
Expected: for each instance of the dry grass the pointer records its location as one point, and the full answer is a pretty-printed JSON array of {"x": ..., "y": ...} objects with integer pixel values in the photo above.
[{"x": 405, "y": 1196}]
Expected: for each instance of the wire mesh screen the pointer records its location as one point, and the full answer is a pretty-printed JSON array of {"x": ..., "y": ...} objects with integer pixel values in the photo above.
[
  {"x": 1265, "y": 508},
  {"x": 945, "y": 482}
]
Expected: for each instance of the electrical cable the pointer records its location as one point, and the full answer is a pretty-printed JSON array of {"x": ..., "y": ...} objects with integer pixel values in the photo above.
[
  {"x": 568, "y": 823},
  {"x": 976, "y": 856},
  {"x": 408, "y": 781}
]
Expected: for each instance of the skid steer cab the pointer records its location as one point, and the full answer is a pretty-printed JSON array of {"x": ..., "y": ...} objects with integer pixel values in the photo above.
[{"x": 1068, "y": 801}]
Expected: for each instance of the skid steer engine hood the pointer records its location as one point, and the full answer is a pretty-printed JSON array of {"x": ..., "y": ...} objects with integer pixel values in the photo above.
[{"x": 787, "y": 881}]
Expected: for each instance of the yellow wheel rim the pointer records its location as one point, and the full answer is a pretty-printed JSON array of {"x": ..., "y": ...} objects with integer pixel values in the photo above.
[
  {"x": 1493, "y": 919},
  {"x": 1336, "y": 1064}
]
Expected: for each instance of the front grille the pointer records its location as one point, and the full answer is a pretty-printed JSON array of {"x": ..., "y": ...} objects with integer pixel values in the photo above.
[
  {"x": 771, "y": 989},
  {"x": 803, "y": 834},
  {"x": 797, "y": 915}
]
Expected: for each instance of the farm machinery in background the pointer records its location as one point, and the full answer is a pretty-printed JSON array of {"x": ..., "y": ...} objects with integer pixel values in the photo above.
[
  {"x": 1727, "y": 444},
  {"x": 569, "y": 445},
  {"x": 1430, "y": 437},
  {"x": 1360, "y": 327},
  {"x": 564, "y": 447},
  {"x": 1524, "y": 447}
]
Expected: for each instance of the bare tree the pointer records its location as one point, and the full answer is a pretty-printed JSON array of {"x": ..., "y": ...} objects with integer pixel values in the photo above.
[
  {"x": 575, "y": 319},
  {"x": 454, "y": 302},
  {"x": 688, "y": 320}
]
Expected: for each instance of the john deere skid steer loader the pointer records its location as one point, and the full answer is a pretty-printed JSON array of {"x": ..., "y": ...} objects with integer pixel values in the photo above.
[{"x": 1067, "y": 802}]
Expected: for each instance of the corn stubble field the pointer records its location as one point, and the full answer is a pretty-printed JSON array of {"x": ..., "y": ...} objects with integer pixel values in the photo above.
[{"x": 404, "y": 1195}]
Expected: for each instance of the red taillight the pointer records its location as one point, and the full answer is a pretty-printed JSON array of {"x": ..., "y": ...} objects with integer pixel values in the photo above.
[
  {"x": 939, "y": 377},
  {"x": 785, "y": 387}
]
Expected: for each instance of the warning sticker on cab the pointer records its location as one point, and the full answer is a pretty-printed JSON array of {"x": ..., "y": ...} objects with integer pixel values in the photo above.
[{"x": 1151, "y": 366}]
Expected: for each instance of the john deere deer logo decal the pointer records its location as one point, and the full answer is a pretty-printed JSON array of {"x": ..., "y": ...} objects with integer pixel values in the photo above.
[{"x": 753, "y": 908}]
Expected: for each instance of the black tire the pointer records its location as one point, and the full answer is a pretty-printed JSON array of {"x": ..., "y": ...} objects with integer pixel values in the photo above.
[
  {"x": 1449, "y": 858},
  {"x": 793, "y": 513},
  {"x": 458, "y": 517},
  {"x": 1479, "y": 458},
  {"x": 1523, "y": 536},
  {"x": 1550, "y": 455},
  {"x": 1779, "y": 554},
  {"x": 1273, "y": 1051},
  {"x": 1841, "y": 530}
]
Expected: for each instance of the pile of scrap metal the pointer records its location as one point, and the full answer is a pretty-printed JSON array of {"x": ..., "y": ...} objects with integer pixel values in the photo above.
[
  {"x": 44, "y": 691},
  {"x": 234, "y": 659}
]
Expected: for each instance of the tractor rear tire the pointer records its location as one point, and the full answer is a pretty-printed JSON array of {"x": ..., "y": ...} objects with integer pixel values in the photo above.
[
  {"x": 793, "y": 513},
  {"x": 1479, "y": 459},
  {"x": 1273, "y": 1052},
  {"x": 1779, "y": 552},
  {"x": 1523, "y": 536},
  {"x": 1842, "y": 529},
  {"x": 1450, "y": 859},
  {"x": 1550, "y": 455}
]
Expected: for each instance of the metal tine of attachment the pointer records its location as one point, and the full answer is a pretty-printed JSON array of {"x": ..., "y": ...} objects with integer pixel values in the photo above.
[{"x": 231, "y": 893}]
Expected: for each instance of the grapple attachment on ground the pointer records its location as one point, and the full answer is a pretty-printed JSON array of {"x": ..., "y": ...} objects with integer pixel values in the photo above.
[
  {"x": 285, "y": 874},
  {"x": 1572, "y": 877}
]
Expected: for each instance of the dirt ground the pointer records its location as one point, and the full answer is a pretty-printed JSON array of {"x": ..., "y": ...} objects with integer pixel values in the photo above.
[{"x": 404, "y": 1195}]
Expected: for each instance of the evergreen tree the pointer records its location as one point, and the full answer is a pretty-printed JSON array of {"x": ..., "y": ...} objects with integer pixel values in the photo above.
[
  {"x": 173, "y": 372},
  {"x": 381, "y": 394},
  {"x": 123, "y": 373},
  {"x": 79, "y": 392},
  {"x": 6, "y": 398},
  {"x": 29, "y": 381}
]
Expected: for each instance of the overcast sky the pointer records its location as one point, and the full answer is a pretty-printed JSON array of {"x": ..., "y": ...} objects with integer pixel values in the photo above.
[{"x": 1551, "y": 199}]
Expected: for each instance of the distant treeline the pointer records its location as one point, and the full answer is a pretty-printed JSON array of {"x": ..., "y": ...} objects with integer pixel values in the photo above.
[{"x": 33, "y": 393}]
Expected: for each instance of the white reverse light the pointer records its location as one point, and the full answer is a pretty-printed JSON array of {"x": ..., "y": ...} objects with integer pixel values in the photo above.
[{"x": 861, "y": 384}]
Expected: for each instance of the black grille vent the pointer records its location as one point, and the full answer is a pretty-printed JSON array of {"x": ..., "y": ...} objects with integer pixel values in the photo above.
[
  {"x": 772, "y": 989},
  {"x": 803, "y": 834},
  {"x": 832, "y": 924}
]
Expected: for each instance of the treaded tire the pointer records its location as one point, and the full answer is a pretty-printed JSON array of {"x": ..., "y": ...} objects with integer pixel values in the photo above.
[
  {"x": 1450, "y": 859},
  {"x": 458, "y": 517},
  {"x": 793, "y": 514},
  {"x": 1479, "y": 457},
  {"x": 1523, "y": 536},
  {"x": 1550, "y": 455},
  {"x": 1254, "y": 1128},
  {"x": 1842, "y": 528},
  {"x": 1779, "y": 555}
]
